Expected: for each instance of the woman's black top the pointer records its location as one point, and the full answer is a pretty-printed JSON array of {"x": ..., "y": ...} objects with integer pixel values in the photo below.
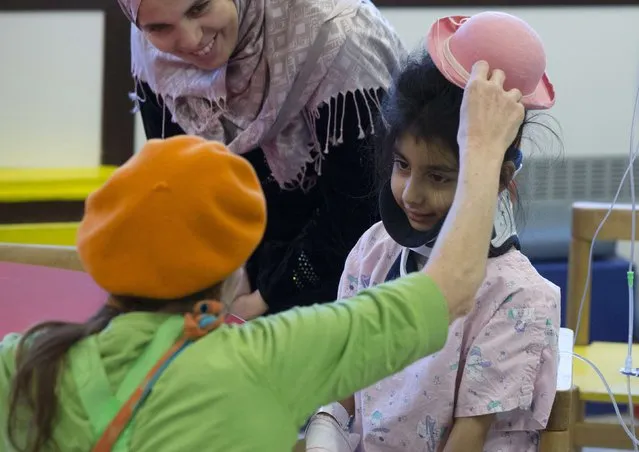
[{"x": 308, "y": 234}]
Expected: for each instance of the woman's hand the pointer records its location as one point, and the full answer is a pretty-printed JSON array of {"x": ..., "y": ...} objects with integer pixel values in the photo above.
[
  {"x": 249, "y": 306},
  {"x": 490, "y": 117}
]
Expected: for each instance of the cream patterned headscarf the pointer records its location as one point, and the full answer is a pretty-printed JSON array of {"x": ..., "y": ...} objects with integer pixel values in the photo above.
[{"x": 348, "y": 47}]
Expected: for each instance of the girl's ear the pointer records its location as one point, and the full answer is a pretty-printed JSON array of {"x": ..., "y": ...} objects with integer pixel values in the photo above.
[{"x": 506, "y": 175}]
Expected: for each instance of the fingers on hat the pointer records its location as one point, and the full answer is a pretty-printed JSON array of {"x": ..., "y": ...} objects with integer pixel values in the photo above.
[
  {"x": 515, "y": 94},
  {"x": 480, "y": 70},
  {"x": 498, "y": 76}
]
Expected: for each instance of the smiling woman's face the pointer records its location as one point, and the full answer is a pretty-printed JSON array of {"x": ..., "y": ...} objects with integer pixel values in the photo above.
[{"x": 201, "y": 32}]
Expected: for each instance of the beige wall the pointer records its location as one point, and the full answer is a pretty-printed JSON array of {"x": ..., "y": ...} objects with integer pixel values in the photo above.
[{"x": 50, "y": 78}]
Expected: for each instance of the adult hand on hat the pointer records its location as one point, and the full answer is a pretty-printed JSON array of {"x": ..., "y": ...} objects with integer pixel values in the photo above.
[
  {"x": 249, "y": 306},
  {"x": 490, "y": 117}
]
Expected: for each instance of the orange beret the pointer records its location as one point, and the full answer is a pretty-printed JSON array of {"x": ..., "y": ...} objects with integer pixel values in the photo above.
[{"x": 180, "y": 216}]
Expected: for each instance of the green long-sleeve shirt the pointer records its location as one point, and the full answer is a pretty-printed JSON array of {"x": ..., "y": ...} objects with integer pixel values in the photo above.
[{"x": 250, "y": 388}]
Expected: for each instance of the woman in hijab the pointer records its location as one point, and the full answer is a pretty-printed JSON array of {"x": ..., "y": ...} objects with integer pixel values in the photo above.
[{"x": 293, "y": 86}]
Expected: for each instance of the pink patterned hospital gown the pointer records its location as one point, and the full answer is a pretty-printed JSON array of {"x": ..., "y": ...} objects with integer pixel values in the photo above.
[{"x": 501, "y": 358}]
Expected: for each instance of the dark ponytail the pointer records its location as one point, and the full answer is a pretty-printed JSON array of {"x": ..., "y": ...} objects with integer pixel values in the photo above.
[
  {"x": 39, "y": 359},
  {"x": 41, "y": 353}
]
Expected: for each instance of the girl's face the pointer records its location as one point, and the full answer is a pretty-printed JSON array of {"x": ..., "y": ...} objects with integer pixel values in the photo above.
[
  {"x": 201, "y": 32},
  {"x": 423, "y": 180}
]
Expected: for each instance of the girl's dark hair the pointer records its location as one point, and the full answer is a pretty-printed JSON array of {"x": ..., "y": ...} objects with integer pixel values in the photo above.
[
  {"x": 40, "y": 355},
  {"x": 422, "y": 103}
]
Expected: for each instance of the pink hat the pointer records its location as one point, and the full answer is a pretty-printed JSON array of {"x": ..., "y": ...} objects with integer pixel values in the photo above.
[{"x": 504, "y": 41}]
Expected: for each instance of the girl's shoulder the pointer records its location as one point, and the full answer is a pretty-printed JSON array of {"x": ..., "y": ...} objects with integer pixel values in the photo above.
[
  {"x": 373, "y": 255},
  {"x": 375, "y": 243},
  {"x": 511, "y": 277}
]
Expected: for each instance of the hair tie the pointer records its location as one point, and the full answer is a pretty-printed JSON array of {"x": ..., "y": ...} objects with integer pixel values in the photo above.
[
  {"x": 206, "y": 316},
  {"x": 115, "y": 304}
]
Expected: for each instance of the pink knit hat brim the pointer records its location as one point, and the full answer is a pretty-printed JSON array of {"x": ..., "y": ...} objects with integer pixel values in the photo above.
[{"x": 541, "y": 98}]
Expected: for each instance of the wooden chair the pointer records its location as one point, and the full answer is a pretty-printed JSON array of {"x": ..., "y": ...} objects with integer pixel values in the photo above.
[
  {"x": 557, "y": 437},
  {"x": 608, "y": 357}
]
